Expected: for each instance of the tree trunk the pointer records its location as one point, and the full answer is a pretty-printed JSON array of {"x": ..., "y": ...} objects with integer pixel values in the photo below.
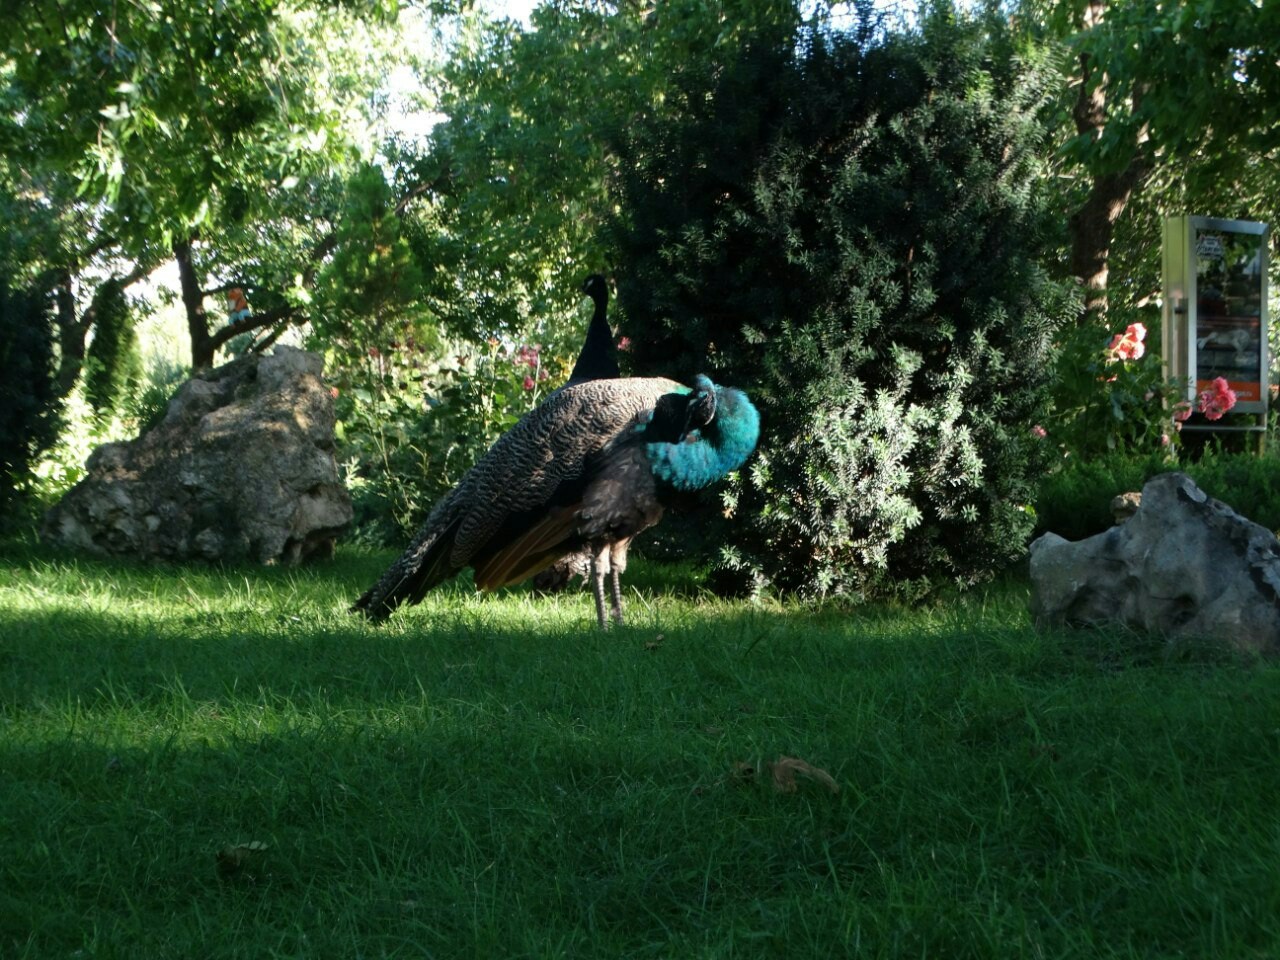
[
  {"x": 1091, "y": 229},
  {"x": 1092, "y": 226},
  {"x": 72, "y": 333},
  {"x": 202, "y": 347}
]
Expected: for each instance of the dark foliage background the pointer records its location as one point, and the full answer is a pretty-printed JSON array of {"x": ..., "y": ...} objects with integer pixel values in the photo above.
[
  {"x": 29, "y": 400},
  {"x": 848, "y": 227}
]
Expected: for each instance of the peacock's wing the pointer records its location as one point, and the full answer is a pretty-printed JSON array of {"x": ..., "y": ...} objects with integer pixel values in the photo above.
[{"x": 518, "y": 499}]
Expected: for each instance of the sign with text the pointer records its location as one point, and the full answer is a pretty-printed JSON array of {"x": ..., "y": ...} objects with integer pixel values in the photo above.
[{"x": 1215, "y": 309}]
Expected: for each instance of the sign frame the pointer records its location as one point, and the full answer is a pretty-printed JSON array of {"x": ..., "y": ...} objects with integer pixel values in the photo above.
[{"x": 1215, "y": 317}]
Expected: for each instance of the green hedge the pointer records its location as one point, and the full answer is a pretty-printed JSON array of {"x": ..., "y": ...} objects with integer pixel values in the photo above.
[
  {"x": 1075, "y": 502},
  {"x": 849, "y": 229}
]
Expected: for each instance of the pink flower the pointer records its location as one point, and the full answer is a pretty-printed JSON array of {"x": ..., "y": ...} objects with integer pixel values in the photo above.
[
  {"x": 527, "y": 356},
  {"x": 1217, "y": 400},
  {"x": 1181, "y": 410},
  {"x": 528, "y": 383},
  {"x": 1164, "y": 439},
  {"x": 624, "y": 344},
  {"x": 1128, "y": 345},
  {"x": 333, "y": 392},
  {"x": 1039, "y": 431}
]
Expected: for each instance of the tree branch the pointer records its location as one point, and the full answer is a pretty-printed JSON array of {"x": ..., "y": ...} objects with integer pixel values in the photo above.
[{"x": 256, "y": 321}]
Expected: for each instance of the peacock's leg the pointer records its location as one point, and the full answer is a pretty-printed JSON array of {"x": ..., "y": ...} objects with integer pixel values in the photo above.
[
  {"x": 615, "y": 593},
  {"x": 617, "y": 564},
  {"x": 599, "y": 563}
]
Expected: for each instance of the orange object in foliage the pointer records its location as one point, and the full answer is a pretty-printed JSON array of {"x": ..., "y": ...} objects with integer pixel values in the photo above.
[{"x": 237, "y": 305}]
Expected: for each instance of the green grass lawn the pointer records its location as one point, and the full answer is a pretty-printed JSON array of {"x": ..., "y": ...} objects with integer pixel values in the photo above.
[{"x": 492, "y": 777}]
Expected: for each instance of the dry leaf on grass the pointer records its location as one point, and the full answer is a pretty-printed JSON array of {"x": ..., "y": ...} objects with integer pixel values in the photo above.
[
  {"x": 785, "y": 770},
  {"x": 233, "y": 859}
]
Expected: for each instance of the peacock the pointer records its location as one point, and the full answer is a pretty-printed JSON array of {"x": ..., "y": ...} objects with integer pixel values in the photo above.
[
  {"x": 590, "y": 468},
  {"x": 598, "y": 360}
]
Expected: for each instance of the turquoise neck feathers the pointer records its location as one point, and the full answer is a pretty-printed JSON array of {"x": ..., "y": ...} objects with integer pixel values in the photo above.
[{"x": 712, "y": 450}]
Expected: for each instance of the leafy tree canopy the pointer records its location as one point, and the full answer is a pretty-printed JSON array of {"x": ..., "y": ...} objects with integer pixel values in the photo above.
[
  {"x": 530, "y": 114},
  {"x": 144, "y": 131}
]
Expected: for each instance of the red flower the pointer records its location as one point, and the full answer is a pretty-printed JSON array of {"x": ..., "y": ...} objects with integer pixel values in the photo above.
[
  {"x": 528, "y": 356},
  {"x": 528, "y": 383},
  {"x": 1128, "y": 345},
  {"x": 1217, "y": 400}
]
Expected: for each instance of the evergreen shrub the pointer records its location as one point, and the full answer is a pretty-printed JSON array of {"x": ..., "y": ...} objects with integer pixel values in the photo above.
[
  {"x": 848, "y": 227},
  {"x": 113, "y": 362}
]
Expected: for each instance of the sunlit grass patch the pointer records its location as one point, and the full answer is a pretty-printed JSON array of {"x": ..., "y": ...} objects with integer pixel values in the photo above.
[{"x": 495, "y": 777}]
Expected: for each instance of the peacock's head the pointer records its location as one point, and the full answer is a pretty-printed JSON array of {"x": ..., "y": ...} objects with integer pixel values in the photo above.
[
  {"x": 737, "y": 420},
  {"x": 596, "y": 287},
  {"x": 702, "y": 404}
]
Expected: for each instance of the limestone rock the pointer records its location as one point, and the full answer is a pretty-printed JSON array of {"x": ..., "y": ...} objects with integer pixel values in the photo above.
[
  {"x": 241, "y": 467},
  {"x": 1125, "y": 505},
  {"x": 1184, "y": 565}
]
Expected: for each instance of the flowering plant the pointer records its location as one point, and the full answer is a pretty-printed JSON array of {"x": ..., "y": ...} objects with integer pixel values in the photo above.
[
  {"x": 1217, "y": 400},
  {"x": 415, "y": 417},
  {"x": 530, "y": 356},
  {"x": 1108, "y": 397},
  {"x": 1128, "y": 345}
]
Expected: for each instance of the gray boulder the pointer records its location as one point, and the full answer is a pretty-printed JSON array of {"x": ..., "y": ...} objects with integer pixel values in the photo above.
[
  {"x": 1183, "y": 565},
  {"x": 240, "y": 468}
]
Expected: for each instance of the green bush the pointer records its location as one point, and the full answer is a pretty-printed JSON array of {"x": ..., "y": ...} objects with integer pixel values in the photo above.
[
  {"x": 1075, "y": 502},
  {"x": 113, "y": 363},
  {"x": 849, "y": 230},
  {"x": 29, "y": 401},
  {"x": 409, "y": 427},
  {"x": 145, "y": 407},
  {"x": 1107, "y": 399}
]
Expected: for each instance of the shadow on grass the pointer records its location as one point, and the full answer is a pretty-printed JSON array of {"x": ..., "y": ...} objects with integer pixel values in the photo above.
[
  {"x": 93, "y": 630},
  {"x": 497, "y": 773}
]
